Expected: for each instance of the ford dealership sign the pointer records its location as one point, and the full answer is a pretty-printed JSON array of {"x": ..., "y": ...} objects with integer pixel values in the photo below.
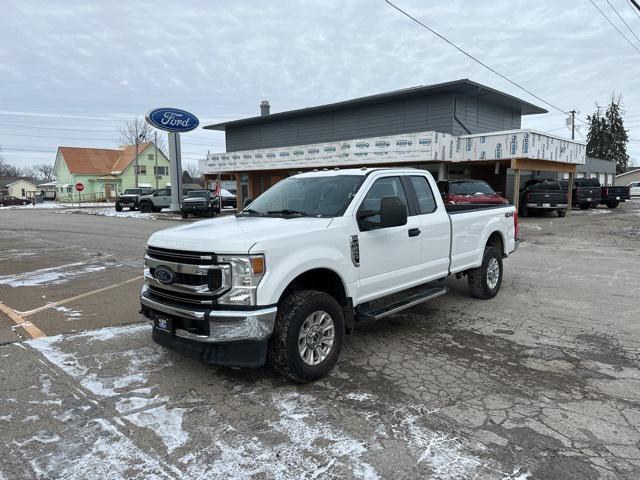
[{"x": 172, "y": 120}]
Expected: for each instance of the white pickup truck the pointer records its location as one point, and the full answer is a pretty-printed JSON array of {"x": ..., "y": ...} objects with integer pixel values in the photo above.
[{"x": 286, "y": 278}]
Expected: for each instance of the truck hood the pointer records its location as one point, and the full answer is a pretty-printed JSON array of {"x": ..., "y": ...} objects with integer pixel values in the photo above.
[
  {"x": 231, "y": 234},
  {"x": 194, "y": 200}
]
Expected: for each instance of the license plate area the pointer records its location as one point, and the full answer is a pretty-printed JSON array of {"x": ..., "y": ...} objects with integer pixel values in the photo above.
[
  {"x": 589, "y": 199},
  {"x": 546, "y": 205},
  {"x": 171, "y": 323},
  {"x": 164, "y": 323}
]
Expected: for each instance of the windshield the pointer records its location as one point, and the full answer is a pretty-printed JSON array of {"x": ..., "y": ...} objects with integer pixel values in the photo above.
[
  {"x": 310, "y": 196},
  {"x": 132, "y": 191},
  {"x": 471, "y": 188},
  {"x": 198, "y": 194}
]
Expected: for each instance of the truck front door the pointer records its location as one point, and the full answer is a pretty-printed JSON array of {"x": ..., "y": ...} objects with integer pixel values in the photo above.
[{"x": 389, "y": 256}]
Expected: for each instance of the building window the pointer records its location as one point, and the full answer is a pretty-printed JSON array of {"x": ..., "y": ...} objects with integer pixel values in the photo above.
[
  {"x": 468, "y": 144},
  {"x": 483, "y": 139},
  {"x": 142, "y": 169},
  {"x": 498, "y": 150},
  {"x": 24, "y": 194},
  {"x": 161, "y": 170},
  {"x": 69, "y": 189},
  {"x": 150, "y": 157}
]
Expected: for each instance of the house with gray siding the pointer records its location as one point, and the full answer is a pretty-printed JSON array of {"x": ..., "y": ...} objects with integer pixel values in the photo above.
[{"x": 436, "y": 127}]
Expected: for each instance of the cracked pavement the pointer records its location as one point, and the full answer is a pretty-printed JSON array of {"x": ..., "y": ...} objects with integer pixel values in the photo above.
[{"x": 542, "y": 382}]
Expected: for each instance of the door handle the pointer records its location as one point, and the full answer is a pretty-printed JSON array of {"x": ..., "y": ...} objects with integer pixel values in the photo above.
[{"x": 414, "y": 232}]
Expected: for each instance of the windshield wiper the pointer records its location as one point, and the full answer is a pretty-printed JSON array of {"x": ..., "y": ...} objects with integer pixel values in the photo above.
[
  {"x": 285, "y": 211},
  {"x": 249, "y": 211}
]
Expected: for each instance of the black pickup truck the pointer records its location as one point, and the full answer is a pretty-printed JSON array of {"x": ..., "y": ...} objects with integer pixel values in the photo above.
[
  {"x": 200, "y": 202},
  {"x": 543, "y": 195},
  {"x": 586, "y": 192},
  {"x": 612, "y": 196},
  {"x": 130, "y": 198}
]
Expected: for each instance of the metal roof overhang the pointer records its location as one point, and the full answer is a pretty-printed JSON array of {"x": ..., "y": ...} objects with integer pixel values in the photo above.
[{"x": 462, "y": 87}]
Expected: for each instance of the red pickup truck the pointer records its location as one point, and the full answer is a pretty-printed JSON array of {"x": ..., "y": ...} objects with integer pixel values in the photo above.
[{"x": 461, "y": 192}]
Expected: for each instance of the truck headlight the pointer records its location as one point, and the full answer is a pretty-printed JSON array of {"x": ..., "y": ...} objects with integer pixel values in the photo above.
[{"x": 246, "y": 273}]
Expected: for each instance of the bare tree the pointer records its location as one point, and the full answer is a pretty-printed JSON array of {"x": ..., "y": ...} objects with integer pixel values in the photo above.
[
  {"x": 193, "y": 171},
  {"x": 43, "y": 172},
  {"x": 8, "y": 170},
  {"x": 139, "y": 129}
]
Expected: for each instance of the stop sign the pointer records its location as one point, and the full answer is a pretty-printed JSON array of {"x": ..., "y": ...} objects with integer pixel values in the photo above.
[{"x": 79, "y": 186}]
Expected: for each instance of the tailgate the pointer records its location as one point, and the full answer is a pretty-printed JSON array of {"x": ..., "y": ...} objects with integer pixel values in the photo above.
[
  {"x": 589, "y": 193},
  {"x": 546, "y": 199}
]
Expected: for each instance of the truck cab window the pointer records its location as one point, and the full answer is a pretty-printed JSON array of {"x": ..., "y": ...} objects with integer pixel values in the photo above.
[
  {"x": 426, "y": 202},
  {"x": 384, "y": 187}
]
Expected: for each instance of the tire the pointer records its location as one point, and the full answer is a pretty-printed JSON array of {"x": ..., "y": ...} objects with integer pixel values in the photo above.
[
  {"x": 524, "y": 212},
  {"x": 211, "y": 212},
  {"x": 296, "y": 313},
  {"x": 184, "y": 215},
  {"x": 613, "y": 204},
  {"x": 584, "y": 206},
  {"x": 482, "y": 281},
  {"x": 145, "y": 207},
  {"x": 1, "y": 204},
  {"x": 562, "y": 213},
  {"x": 118, "y": 207}
]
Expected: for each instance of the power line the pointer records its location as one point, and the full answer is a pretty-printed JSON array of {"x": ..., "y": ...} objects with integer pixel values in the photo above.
[
  {"x": 623, "y": 21},
  {"x": 504, "y": 77},
  {"x": 54, "y": 128},
  {"x": 614, "y": 26},
  {"x": 637, "y": 7},
  {"x": 58, "y": 138}
]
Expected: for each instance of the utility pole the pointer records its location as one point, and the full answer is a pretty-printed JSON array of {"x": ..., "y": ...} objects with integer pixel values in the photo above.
[
  {"x": 573, "y": 124},
  {"x": 135, "y": 162},
  {"x": 155, "y": 144}
]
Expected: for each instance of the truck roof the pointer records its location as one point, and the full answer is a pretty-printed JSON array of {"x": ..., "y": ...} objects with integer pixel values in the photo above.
[{"x": 364, "y": 171}]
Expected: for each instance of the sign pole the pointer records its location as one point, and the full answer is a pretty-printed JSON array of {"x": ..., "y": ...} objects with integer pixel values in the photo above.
[{"x": 175, "y": 171}]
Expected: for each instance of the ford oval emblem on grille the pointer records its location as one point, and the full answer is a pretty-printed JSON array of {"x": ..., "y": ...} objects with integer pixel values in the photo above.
[{"x": 165, "y": 275}]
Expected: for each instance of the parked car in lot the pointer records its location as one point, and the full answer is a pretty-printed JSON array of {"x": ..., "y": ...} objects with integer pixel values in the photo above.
[
  {"x": 612, "y": 196},
  {"x": 311, "y": 259},
  {"x": 586, "y": 192},
  {"x": 460, "y": 192},
  {"x": 543, "y": 195},
  {"x": 6, "y": 201},
  {"x": 200, "y": 202},
  {"x": 634, "y": 189},
  {"x": 130, "y": 198},
  {"x": 155, "y": 201},
  {"x": 228, "y": 199}
]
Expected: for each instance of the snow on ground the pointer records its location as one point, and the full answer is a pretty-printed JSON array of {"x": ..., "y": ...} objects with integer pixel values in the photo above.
[
  {"x": 49, "y": 205},
  {"x": 281, "y": 431},
  {"x": 53, "y": 275},
  {"x": 111, "y": 212},
  {"x": 69, "y": 312}
]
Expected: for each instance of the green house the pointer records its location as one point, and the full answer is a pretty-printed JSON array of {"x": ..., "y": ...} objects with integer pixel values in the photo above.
[{"x": 107, "y": 172}]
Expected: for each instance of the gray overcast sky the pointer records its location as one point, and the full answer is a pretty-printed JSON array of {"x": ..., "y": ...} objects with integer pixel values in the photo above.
[{"x": 84, "y": 67}]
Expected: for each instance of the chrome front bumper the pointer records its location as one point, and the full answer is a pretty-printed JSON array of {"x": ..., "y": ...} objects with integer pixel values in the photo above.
[{"x": 224, "y": 325}]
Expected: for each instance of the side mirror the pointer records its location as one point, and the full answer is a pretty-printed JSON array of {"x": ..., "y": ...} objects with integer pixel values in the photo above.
[
  {"x": 393, "y": 212},
  {"x": 499, "y": 194},
  {"x": 246, "y": 202}
]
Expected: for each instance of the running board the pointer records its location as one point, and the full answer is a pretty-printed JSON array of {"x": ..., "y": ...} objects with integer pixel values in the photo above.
[{"x": 413, "y": 299}]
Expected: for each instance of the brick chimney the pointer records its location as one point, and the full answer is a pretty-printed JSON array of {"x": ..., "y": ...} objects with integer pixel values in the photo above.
[{"x": 264, "y": 108}]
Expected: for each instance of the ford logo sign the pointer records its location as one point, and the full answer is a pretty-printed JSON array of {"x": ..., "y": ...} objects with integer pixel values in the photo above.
[
  {"x": 172, "y": 120},
  {"x": 165, "y": 275}
]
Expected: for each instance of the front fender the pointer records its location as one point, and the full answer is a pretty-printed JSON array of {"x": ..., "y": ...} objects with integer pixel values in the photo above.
[{"x": 285, "y": 264}]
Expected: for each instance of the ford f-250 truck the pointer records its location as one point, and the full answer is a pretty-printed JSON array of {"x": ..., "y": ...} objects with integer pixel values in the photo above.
[{"x": 310, "y": 259}]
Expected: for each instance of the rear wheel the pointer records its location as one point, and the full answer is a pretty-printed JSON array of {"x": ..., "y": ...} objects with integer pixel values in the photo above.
[
  {"x": 613, "y": 204},
  {"x": 484, "y": 281},
  {"x": 118, "y": 207},
  {"x": 184, "y": 215},
  {"x": 307, "y": 336},
  {"x": 524, "y": 212},
  {"x": 584, "y": 206},
  {"x": 145, "y": 207},
  {"x": 562, "y": 213}
]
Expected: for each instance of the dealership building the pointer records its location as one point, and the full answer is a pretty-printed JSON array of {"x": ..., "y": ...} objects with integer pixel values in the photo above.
[{"x": 458, "y": 129}]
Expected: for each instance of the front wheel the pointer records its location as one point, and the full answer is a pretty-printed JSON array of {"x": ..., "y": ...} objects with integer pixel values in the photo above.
[
  {"x": 184, "y": 215},
  {"x": 145, "y": 207},
  {"x": 307, "y": 336},
  {"x": 484, "y": 281},
  {"x": 562, "y": 213},
  {"x": 613, "y": 204},
  {"x": 118, "y": 207}
]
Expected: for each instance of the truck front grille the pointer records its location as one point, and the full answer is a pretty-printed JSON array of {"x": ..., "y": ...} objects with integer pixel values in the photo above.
[
  {"x": 197, "y": 279},
  {"x": 179, "y": 256}
]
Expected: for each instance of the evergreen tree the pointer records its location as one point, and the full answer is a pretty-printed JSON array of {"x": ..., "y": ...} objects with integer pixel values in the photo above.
[
  {"x": 617, "y": 136},
  {"x": 607, "y": 139}
]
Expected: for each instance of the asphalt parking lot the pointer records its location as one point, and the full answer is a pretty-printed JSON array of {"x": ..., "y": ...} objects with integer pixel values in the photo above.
[{"x": 541, "y": 382}]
